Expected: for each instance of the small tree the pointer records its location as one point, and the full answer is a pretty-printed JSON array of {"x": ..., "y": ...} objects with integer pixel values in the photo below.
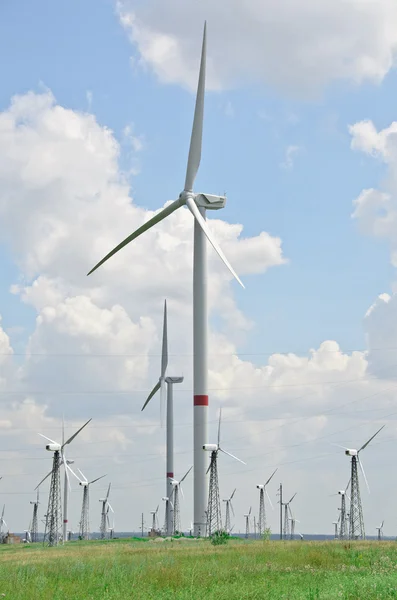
[
  {"x": 219, "y": 537},
  {"x": 267, "y": 534}
]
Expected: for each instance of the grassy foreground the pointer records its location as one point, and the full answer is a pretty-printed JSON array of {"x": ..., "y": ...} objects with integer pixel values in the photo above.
[{"x": 191, "y": 569}]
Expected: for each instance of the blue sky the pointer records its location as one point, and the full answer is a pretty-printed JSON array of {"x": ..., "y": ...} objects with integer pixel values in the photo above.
[{"x": 334, "y": 272}]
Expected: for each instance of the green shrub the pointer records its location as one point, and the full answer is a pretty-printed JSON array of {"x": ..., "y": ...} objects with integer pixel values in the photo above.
[{"x": 219, "y": 537}]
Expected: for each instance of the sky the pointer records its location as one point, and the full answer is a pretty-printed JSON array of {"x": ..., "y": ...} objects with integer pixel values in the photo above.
[{"x": 96, "y": 106}]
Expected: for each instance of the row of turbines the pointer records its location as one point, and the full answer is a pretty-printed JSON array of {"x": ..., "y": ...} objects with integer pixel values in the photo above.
[
  {"x": 56, "y": 517},
  {"x": 206, "y": 499}
]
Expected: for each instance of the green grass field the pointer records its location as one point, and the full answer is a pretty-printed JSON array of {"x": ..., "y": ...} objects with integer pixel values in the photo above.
[{"x": 197, "y": 570}]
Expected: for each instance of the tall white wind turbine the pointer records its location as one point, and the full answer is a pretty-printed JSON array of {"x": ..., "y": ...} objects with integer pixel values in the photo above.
[
  {"x": 262, "y": 510},
  {"x": 160, "y": 385},
  {"x": 197, "y": 204}
]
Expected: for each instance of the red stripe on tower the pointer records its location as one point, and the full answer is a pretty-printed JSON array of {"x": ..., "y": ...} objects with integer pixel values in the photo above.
[
  {"x": 171, "y": 475},
  {"x": 65, "y": 520},
  {"x": 200, "y": 401}
]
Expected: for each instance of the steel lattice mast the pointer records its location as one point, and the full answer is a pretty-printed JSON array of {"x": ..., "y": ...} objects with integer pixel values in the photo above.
[
  {"x": 54, "y": 511},
  {"x": 174, "y": 503},
  {"x": 214, "y": 518},
  {"x": 262, "y": 509},
  {"x": 198, "y": 204},
  {"x": 342, "y": 516},
  {"x": 287, "y": 529},
  {"x": 34, "y": 531},
  {"x": 247, "y": 523},
  {"x": 356, "y": 519},
  {"x": 84, "y": 532}
]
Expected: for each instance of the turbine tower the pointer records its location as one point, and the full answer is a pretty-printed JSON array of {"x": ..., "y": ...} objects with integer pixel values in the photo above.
[
  {"x": 214, "y": 517},
  {"x": 335, "y": 524},
  {"x": 85, "y": 508},
  {"x": 262, "y": 511},
  {"x": 176, "y": 488},
  {"x": 229, "y": 507},
  {"x": 247, "y": 523},
  {"x": 356, "y": 519},
  {"x": 104, "y": 513},
  {"x": 198, "y": 204},
  {"x": 342, "y": 515},
  {"x": 380, "y": 531},
  {"x": 54, "y": 510},
  {"x": 160, "y": 385},
  {"x": 34, "y": 530}
]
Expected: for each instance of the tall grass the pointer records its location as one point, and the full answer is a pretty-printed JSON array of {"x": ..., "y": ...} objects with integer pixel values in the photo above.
[{"x": 185, "y": 569}]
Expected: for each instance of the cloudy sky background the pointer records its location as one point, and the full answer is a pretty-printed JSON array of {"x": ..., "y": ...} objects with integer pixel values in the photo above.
[{"x": 96, "y": 106}]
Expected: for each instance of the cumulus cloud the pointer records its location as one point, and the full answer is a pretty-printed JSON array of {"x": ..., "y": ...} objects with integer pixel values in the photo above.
[{"x": 300, "y": 46}]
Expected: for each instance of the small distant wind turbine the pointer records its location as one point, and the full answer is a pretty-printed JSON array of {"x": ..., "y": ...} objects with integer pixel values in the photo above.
[
  {"x": 160, "y": 385},
  {"x": 154, "y": 519},
  {"x": 104, "y": 513},
  {"x": 262, "y": 511},
  {"x": 85, "y": 509},
  {"x": 54, "y": 510},
  {"x": 356, "y": 519},
  {"x": 175, "y": 502},
  {"x": 214, "y": 517},
  {"x": 380, "y": 531},
  {"x": 335, "y": 524},
  {"x": 229, "y": 507},
  {"x": 197, "y": 205},
  {"x": 247, "y": 522},
  {"x": 2, "y": 522},
  {"x": 286, "y": 533},
  {"x": 34, "y": 529}
]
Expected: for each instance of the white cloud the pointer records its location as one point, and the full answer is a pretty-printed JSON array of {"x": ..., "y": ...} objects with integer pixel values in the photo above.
[
  {"x": 290, "y": 153},
  {"x": 295, "y": 45}
]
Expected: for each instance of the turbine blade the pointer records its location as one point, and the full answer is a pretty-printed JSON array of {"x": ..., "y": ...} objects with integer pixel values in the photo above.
[
  {"x": 156, "y": 219},
  {"x": 162, "y": 401},
  {"x": 73, "y": 473},
  {"x": 85, "y": 480},
  {"x": 107, "y": 495},
  {"x": 152, "y": 393},
  {"x": 231, "y": 506},
  {"x": 48, "y": 474},
  {"x": 232, "y": 455},
  {"x": 97, "y": 479},
  {"x": 207, "y": 471},
  {"x": 268, "y": 497},
  {"x": 63, "y": 430},
  {"x": 370, "y": 439},
  {"x": 47, "y": 438},
  {"x": 203, "y": 224},
  {"x": 181, "y": 490},
  {"x": 186, "y": 474},
  {"x": 65, "y": 466},
  {"x": 231, "y": 497},
  {"x": 193, "y": 162},
  {"x": 274, "y": 472},
  {"x": 363, "y": 472},
  {"x": 164, "y": 351},
  {"x": 219, "y": 427},
  {"x": 110, "y": 507},
  {"x": 77, "y": 433},
  {"x": 292, "y": 498}
]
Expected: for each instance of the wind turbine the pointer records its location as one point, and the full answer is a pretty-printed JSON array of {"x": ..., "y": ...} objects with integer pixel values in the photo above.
[
  {"x": 247, "y": 523},
  {"x": 160, "y": 385},
  {"x": 198, "y": 204},
  {"x": 154, "y": 519},
  {"x": 262, "y": 511},
  {"x": 380, "y": 531},
  {"x": 34, "y": 530},
  {"x": 176, "y": 488},
  {"x": 2, "y": 522},
  {"x": 356, "y": 520},
  {"x": 110, "y": 528},
  {"x": 85, "y": 508},
  {"x": 229, "y": 507},
  {"x": 287, "y": 509},
  {"x": 54, "y": 510},
  {"x": 214, "y": 517},
  {"x": 104, "y": 513},
  {"x": 335, "y": 524}
]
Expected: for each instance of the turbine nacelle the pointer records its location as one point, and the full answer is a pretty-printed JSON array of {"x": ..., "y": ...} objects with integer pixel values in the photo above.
[
  {"x": 260, "y": 487},
  {"x": 173, "y": 379},
  {"x": 211, "y": 447},
  {"x": 342, "y": 492},
  {"x": 53, "y": 447},
  {"x": 351, "y": 452},
  {"x": 210, "y": 202}
]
